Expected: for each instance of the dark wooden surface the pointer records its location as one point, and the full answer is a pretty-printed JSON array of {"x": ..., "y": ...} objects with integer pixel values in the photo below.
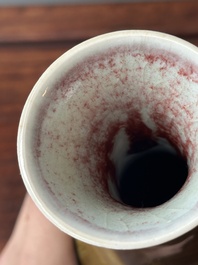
[{"x": 32, "y": 37}]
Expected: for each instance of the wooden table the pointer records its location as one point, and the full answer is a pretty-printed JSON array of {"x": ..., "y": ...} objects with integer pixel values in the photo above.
[{"x": 32, "y": 37}]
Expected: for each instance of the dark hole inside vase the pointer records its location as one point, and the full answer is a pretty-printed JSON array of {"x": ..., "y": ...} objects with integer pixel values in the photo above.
[{"x": 149, "y": 173}]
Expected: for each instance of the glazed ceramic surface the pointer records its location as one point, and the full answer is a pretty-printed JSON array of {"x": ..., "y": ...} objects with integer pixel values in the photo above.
[{"x": 127, "y": 80}]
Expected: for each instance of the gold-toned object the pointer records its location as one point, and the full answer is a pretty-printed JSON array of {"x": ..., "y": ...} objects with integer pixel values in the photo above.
[
  {"x": 89, "y": 254},
  {"x": 180, "y": 251}
]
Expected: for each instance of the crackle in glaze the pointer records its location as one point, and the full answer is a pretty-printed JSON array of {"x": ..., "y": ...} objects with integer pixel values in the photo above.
[{"x": 141, "y": 81}]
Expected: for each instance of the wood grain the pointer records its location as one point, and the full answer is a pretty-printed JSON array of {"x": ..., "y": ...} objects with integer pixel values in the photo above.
[
  {"x": 78, "y": 22},
  {"x": 33, "y": 37}
]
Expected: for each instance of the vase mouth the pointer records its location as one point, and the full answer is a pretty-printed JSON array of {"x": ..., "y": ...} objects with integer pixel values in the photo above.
[{"x": 132, "y": 80}]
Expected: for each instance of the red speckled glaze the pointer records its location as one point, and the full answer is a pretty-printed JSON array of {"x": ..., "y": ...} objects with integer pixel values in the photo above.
[
  {"x": 99, "y": 143},
  {"x": 111, "y": 101},
  {"x": 147, "y": 91}
]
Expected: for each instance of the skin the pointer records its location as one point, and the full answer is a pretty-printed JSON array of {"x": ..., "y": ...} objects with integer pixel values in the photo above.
[{"x": 35, "y": 241}]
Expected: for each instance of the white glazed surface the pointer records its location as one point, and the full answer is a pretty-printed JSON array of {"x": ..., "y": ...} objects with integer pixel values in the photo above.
[{"x": 107, "y": 78}]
